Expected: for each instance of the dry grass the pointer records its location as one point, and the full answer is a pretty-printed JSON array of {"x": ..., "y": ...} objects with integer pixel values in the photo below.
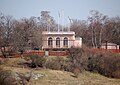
[
  {"x": 65, "y": 78},
  {"x": 55, "y": 77}
]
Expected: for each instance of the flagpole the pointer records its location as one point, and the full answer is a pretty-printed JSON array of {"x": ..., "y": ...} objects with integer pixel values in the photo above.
[
  {"x": 70, "y": 22},
  {"x": 62, "y": 20},
  {"x": 58, "y": 20}
]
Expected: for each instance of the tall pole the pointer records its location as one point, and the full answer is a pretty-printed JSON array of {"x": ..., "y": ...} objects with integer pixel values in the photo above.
[
  {"x": 48, "y": 24},
  {"x": 70, "y": 22},
  {"x": 58, "y": 21},
  {"x": 63, "y": 23}
]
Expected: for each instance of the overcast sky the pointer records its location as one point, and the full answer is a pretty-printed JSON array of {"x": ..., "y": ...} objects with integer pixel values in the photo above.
[{"x": 77, "y": 9}]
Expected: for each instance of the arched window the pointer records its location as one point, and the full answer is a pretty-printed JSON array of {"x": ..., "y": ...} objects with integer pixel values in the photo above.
[
  {"x": 50, "y": 41},
  {"x": 65, "y": 41},
  {"x": 58, "y": 42}
]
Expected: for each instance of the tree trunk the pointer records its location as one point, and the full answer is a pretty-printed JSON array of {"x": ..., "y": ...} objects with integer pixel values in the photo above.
[{"x": 3, "y": 52}]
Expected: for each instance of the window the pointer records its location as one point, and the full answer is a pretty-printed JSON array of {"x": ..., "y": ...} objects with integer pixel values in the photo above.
[
  {"x": 50, "y": 41},
  {"x": 65, "y": 41},
  {"x": 58, "y": 42}
]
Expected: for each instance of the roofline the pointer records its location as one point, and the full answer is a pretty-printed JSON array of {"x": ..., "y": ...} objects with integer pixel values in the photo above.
[{"x": 57, "y": 33}]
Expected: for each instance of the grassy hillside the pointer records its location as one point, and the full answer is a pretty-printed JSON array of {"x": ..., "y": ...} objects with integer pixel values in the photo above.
[
  {"x": 64, "y": 78},
  {"x": 55, "y": 77}
]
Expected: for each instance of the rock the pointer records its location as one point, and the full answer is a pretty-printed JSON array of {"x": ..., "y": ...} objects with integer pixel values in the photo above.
[{"x": 37, "y": 76}]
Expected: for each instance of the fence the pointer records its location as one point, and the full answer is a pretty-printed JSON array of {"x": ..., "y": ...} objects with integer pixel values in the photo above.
[
  {"x": 58, "y": 53},
  {"x": 112, "y": 50},
  {"x": 42, "y": 53},
  {"x": 62, "y": 53}
]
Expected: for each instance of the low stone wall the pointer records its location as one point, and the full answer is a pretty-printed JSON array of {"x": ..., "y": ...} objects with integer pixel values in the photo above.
[
  {"x": 43, "y": 53},
  {"x": 58, "y": 53},
  {"x": 55, "y": 53}
]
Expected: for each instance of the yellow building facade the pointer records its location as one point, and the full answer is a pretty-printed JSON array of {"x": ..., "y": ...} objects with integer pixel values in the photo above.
[{"x": 57, "y": 40}]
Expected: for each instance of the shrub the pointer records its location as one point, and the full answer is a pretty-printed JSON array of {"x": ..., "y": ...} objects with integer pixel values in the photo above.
[
  {"x": 36, "y": 60},
  {"x": 105, "y": 63},
  {"x": 1, "y": 61},
  {"x": 57, "y": 63},
  {"x": 76, "y": 72},
  {"x": 6, "y": 78},
  {"x": 78, "y": 59}
]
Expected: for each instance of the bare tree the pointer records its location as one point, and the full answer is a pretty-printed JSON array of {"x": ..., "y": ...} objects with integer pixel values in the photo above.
[
  {"x": 96, "y": 21},
  {"x": 25, "y": 34},
  {"x": 112, "y": 30},
  {"x": 79, "y": 27},
  {"x": 6, "y": 27},
  {"x": 115, "y": 28},
  {"x": 47, "y": 22}
]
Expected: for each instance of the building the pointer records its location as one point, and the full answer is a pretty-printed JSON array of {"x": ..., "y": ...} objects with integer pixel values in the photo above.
[
  {"x": 109, "y": 46},
  {"x": 60, "y": 40}
]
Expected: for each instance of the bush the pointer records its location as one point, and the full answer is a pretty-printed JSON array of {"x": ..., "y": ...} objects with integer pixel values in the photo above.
[
  {"x": 36, "y": 60},
  {"x": 1, "y": 61},
  {"x": 76, "y": 72},
  {"x": 105, "y": 63},
  {"x": 57, "y": 63},
  {"x": 78, "y": 59},
  {"x": 6, "y": 78}
]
